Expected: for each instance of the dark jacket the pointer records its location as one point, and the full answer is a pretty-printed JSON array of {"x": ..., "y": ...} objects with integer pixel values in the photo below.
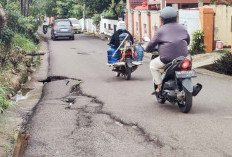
[
  {"x": 115, "y": 38},
  {"x": 172, "y": 39}
]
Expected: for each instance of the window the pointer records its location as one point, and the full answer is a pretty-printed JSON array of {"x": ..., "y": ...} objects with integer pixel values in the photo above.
[
  {"x": 115, "y": 28},
  {"x": 109, "y": 26},
  {"x": 104, "y": 25}
]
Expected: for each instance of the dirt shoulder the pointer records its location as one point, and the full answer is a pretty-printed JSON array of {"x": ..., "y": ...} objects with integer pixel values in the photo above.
[{"x": 17, "y": 115}]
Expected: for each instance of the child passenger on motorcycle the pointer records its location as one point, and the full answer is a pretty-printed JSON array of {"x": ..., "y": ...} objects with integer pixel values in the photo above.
[
  {"x": 172, "y": 40},
  {"x": 119, "y": 36}
]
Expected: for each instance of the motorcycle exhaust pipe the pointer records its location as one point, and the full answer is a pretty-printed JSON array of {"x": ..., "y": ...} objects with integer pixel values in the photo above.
[{"x": 196, "y": 89}]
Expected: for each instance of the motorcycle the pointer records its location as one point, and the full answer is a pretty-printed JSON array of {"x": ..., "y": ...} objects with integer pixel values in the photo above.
[
  {"x": 177, "y": 86},
  {"x": 126, "y": 64},
  {"x": 45, "y": 29}
]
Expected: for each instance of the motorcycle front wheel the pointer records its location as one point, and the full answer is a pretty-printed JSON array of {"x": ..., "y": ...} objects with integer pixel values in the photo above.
[
  {"x": 186, "y": 105},
  {"x": 127, "y": 74},
  {"x": 117, "y": 74}
]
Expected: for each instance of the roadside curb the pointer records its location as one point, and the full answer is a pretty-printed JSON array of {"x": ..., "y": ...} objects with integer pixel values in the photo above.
[
  {"x": 19, "y": 115},
  {"x": 213, "y": 74}
]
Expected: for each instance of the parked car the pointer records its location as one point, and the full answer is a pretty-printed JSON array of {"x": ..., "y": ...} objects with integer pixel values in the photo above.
[
  {"x": 76, "y": 25},
  {"x": 62, "y": 28}
]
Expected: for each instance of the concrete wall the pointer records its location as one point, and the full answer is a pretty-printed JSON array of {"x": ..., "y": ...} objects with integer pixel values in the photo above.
[
  {"x": 129, "y": 22},
  {"x": 104, "y": 26},
  {"x": 145, "y": 26},
  {"x": 136, "y": 24},
  {"x": 190, "y": 18},
  {"x": 223, "y": 22},
  {"x": 90, "y": 27},
  {"x": 155, "y": 22}
]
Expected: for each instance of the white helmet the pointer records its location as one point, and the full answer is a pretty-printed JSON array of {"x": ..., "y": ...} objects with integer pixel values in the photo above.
[{"x": 121, "y": 25}]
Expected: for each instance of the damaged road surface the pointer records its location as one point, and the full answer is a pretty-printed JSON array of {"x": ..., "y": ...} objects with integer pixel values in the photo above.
[
  {"x": 104, "y": 115},
  {"x": 81, "y": 129}
]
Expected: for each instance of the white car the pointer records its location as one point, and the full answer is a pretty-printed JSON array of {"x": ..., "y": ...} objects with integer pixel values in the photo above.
[{"x": 76, "y": 25}]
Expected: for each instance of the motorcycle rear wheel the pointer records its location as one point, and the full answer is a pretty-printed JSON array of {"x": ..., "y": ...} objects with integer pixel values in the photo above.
[
  {"x": 186, "y": 105},
  {"x": 160, "y": 100}
]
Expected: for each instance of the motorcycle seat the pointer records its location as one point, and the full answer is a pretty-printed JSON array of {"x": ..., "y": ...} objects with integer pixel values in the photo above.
[{"x": 167, "y": 66}]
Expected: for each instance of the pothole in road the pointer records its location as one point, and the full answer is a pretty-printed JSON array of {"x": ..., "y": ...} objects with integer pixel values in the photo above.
[{"x": 57, "y": 78}]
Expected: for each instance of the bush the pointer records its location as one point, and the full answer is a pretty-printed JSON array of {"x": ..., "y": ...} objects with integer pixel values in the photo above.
[
  {"x": 24, "y": 43},
  {"x": 197, "y": 45},
  {"x": 96, "y": 19},
  {"x": 6, "y": 35},
  {"x": 22, "y": 25},
  {"x": 109, "y": 14},
  {"x": 4, "y": 104},
  {"x": 224, "y": 64}
]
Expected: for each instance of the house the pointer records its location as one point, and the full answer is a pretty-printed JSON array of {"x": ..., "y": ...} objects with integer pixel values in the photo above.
[{"x": 179, "y": 4}]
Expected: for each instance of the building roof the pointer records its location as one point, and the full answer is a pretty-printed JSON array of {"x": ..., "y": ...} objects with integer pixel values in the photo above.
[
  {"x": 185, "y": 1},
  {"x": 144, "y": 6}
]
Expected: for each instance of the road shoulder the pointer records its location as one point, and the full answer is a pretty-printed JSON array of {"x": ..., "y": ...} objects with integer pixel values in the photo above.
[{"x": 17, "y": 116}]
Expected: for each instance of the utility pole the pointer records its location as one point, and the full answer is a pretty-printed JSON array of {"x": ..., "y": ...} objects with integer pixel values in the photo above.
[{"x": 84, "y": 7}]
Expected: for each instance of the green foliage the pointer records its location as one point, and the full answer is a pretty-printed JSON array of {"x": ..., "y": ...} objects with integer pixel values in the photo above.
[
  {"x": 77, "y": 11},
  {"x": 4, "y": 104},
  {"x": 108, "y": 14},
  {"x": 224, "y": 64},
  {"x": 24, "y": 43},
  {"x": 222, "y": 51},
  {"x": 23, "y": 25},
  {"x": 216, "y": 2},
  {"x": 6, "y": 35},
  {"x": 197, "y": 45},
  {"x": 51, "y": 8},
  {"x": 96, "y": 19}
]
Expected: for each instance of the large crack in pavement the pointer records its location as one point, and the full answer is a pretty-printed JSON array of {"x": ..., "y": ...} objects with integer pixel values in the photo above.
[
  {"x": 69, "y": 122},
  {"x": 98, "y": 109},
  {"x": 93, "y": 108}
]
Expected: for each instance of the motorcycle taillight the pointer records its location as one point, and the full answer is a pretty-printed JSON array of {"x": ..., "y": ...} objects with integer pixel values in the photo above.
[{"x": 185, "y": 64}]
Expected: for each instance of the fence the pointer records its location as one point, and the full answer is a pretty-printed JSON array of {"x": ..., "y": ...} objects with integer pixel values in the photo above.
[
  {"x": 223, "y": 22},
  {"x": 190, "y": 18},
  {"x": 88, "y": 24},
  {"x": 145, "y": 23}
]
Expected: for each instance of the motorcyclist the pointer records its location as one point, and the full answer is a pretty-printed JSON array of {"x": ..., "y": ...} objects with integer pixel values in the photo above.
[
  {"x": 119, "y": 36},
  {"x": 45, "y": 26},
  {"x": 172, "y": 40}
]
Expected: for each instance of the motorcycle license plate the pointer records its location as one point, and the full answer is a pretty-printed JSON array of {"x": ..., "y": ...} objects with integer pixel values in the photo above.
[{"x": 186, "y": 74}]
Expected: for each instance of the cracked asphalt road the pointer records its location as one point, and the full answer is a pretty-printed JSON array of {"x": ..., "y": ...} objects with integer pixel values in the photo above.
[{"x": 114, "y": 117}]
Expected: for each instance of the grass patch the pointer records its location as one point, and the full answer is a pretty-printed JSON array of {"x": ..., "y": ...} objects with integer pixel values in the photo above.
[
  {"x": 225, "y": 51},
  {"x": 4, "y": 103},
  {"x": 24, "y": 43}
]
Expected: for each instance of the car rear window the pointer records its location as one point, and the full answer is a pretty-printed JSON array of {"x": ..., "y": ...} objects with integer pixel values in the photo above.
[{"x": 63, "y": 23}]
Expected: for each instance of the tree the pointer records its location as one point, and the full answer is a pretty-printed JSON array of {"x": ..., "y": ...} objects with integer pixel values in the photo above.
[{"x": 95, "y": 6}]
